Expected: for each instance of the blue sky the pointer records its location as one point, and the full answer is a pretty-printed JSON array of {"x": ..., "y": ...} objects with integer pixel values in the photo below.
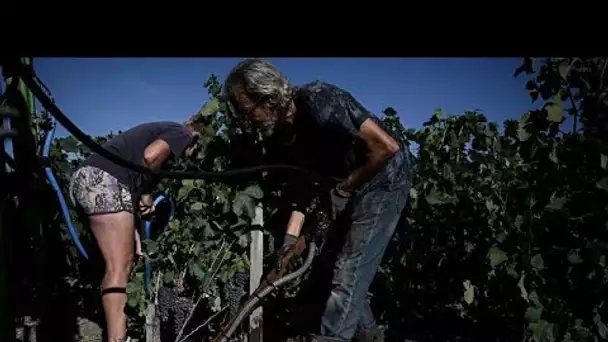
[{"x": 103, "y": 94}]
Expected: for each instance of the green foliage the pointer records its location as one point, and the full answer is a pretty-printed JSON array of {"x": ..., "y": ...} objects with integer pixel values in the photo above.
[{"x": 506, "y": 234}]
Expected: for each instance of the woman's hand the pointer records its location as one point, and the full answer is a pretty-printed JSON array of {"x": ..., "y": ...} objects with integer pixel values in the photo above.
[{"x": 146, "y": 205}]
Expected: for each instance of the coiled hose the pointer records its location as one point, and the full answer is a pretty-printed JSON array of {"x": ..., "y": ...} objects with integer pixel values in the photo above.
[{"x": 27, "y": 75}]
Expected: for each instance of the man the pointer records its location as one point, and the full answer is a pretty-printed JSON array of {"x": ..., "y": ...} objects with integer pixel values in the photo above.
[
  {"x": 104, "y": 192},
  {"x": 322, "y": 127}
]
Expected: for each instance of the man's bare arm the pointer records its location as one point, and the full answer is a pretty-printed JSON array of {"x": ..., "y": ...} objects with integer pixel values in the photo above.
[
  {"x": 295, "y": 223},
  {"x": 381, "y": 148}
]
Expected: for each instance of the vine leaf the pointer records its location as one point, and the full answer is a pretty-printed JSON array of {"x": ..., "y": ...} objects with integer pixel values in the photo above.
[
  {"x": 196, "y": 206},
  {"x": 496, "y": 256},
  {"x": 574, "y": 258},
  {"x": 526, "y": 67},
  {"x": 522, "y": 128},
  {"x": 243, "y": 204},
  {"x": 542, "y": 331},
  {"x": 197, "y": 270},
  {"x": 254, "y": 191},
  {"x": 469, "y": 292},
  {"x": 210, "y": 107},
  {"x": 183, "y": 193},
  {"x": 557, "y": 203},
  {"x": 602, "y": 184},
  {"x": 537, "y": 262},
  {"x": 555, "y": 110},
  {"x": 168, "y": 277},
  {"x": 601, "y": 326},
  {"x": 436, "y": 197},
  {"x": 533, "y": 314}
]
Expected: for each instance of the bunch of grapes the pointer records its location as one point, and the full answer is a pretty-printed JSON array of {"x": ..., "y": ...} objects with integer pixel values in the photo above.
[
  {"x": 235, "y": 289},
  {"x": 319, "y": 222},
  {"x": 166, "y": 300},
  {"x": 172, "y": 310},
  {"x": 322, "y": 223},
  {"x": 180, "y": 311}
]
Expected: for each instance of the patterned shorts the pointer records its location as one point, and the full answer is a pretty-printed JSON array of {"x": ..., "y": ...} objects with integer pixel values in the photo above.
[{"x": 98, "y": 192}]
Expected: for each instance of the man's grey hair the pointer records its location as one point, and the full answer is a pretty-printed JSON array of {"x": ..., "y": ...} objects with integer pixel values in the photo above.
[{"x": 259, "y": 79}]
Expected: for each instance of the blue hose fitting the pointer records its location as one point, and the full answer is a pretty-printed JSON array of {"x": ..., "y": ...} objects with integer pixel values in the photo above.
[{"x": 148, "y": 233}]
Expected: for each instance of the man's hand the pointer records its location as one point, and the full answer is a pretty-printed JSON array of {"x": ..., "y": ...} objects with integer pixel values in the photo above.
[
  {"x": 288, "y": 242},
  {"x": 146, "y": 205},
  {"x": 339, "y": 200}
]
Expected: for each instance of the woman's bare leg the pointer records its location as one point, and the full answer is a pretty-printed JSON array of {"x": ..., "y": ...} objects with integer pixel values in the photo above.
[{"x": 114, "y": 234}]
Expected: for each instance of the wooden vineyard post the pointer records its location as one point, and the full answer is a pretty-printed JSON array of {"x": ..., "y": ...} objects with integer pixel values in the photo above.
[
  {"x": 256, "y": 257},
  {"x": 152, "y": 324}
]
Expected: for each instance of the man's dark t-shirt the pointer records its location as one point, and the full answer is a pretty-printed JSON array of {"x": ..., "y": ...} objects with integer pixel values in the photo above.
[
  {"x": 326, "y": 125},
  {"x": 130, "y": 145}
]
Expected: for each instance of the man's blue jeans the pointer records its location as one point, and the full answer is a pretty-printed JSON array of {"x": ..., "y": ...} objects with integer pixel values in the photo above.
[{"x": 370, "y": 220}]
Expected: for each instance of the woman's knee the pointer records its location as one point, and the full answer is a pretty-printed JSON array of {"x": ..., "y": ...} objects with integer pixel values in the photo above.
[
  {"x": 117, "y": 275},
  {"x": 118, "y": 268}
]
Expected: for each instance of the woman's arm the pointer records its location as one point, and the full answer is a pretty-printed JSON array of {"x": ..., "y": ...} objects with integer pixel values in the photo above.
[{"x": 172, "y": 141}]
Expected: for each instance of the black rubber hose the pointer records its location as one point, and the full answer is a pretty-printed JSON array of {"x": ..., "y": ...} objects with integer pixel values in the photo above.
[
  {"x": 28, "y": 77},
  {"x": 249, "y": 306}
]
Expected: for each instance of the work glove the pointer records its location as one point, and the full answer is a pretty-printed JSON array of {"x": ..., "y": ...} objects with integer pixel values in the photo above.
[
  {"x": 339, "y": 200},
  {"x": 288, "y": 242}
]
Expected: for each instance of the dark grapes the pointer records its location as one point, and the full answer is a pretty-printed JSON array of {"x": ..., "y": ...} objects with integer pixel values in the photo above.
[
  {"x": 166, "y": 300},
  {"x": 172, "y": 310},
  {"x": 235, "y": 289},
  {"x": 181, "y": 310}
]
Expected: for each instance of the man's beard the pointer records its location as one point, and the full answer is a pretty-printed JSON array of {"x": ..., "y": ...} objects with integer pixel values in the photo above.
[
  {"x": 276, "y": 129},
  {"x": 268, "y": 126}
]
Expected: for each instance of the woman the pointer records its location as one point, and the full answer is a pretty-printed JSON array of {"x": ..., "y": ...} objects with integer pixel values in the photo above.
[{"x": 104, "y": 191}]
